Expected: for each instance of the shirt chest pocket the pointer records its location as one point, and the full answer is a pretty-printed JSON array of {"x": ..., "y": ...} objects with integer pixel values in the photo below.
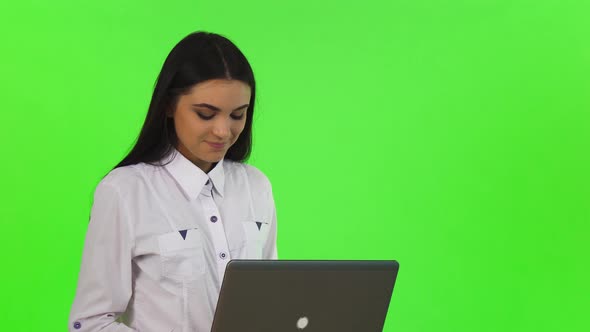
[
  {"x": 182, "y": 258},
  {"x": 256, "y": 233}
]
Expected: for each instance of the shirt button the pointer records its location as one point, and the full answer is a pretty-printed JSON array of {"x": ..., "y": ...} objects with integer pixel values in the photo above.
[
  {"x": 222, "y": 255},
  {"x": 77, "y": 325},
  {"x": 213, "y": 219}
]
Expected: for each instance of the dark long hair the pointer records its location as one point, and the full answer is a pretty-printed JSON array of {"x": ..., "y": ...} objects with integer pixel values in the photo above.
[{"x": 198, "y": 57}]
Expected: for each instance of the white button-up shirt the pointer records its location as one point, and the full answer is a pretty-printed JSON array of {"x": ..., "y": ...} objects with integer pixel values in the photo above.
[{"x": 158, "y": 242}]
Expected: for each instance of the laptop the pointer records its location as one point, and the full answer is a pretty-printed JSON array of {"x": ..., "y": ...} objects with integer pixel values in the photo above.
[{"x": 304, "y": 296}]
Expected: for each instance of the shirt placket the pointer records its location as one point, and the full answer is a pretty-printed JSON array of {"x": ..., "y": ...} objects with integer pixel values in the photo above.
[{"x": 216, "y": 229}]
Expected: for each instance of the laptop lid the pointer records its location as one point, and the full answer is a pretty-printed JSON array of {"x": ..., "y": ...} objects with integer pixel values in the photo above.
[{"x": 305, "y": 296}]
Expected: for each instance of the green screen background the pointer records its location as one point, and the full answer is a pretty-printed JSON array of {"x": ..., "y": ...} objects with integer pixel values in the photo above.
[{"x": 449, "y": 135}]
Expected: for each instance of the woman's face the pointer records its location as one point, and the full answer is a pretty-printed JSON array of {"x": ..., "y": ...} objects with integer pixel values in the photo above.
[{"x": 209, "y": 120}]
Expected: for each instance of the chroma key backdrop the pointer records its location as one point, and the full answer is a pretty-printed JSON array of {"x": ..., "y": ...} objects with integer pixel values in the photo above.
[{"x": 452, "y": 136}]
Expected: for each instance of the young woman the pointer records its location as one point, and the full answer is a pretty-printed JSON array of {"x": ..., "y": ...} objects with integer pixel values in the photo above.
[{"x": 170, "y": 216}]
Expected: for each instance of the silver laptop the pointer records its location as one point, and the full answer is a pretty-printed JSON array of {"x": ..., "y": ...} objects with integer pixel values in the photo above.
[{"x": 304, "y": 296}]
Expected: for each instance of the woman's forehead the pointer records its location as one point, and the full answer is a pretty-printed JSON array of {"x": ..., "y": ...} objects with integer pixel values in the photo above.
[{"x": 220, "y": 88}]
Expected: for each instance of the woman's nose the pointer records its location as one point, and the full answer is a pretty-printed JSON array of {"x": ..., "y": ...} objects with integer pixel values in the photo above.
[{"x": 221, "y": 128}]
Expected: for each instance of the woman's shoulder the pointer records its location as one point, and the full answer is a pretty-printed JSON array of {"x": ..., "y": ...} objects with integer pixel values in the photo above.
[
  {"x": 126, "y": 177},
  {"x": 256, "y": 177}
]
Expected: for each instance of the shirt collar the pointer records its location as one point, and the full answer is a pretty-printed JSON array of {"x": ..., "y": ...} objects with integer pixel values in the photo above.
[{"x": 191, "y": 178}]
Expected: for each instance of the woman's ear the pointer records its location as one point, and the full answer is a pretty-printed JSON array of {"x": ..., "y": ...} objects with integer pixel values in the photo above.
[{"x": 169, "y": 112}]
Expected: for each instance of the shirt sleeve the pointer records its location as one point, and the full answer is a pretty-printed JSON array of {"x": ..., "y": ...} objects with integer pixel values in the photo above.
[{"x": 105, "y": 279}]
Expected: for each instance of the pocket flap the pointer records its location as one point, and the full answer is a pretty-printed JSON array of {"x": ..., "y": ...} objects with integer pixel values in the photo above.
[
  {"x": 258, "y": 224},
  {"x": 173, "y": 241}
]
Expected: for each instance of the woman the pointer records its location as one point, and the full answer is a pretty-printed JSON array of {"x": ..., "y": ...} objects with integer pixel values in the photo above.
[{"x": 169, "y": 217}]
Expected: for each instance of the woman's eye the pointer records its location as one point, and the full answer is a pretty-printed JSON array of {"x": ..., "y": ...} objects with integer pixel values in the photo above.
[
  {"x": 237, "y": 117},
  {"x": 205, "y": 117}
]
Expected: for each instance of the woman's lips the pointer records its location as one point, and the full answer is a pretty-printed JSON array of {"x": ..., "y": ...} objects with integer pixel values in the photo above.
[{"x": 216, "y": 146}]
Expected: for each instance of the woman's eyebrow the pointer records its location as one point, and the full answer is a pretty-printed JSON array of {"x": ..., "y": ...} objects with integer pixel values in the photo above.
[{"x": 217, "y": 109}]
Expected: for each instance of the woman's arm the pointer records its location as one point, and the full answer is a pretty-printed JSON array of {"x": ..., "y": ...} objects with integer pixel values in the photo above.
[
  {"x": 270, "y": 247},
  {"x": 105, "y": 279}
]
